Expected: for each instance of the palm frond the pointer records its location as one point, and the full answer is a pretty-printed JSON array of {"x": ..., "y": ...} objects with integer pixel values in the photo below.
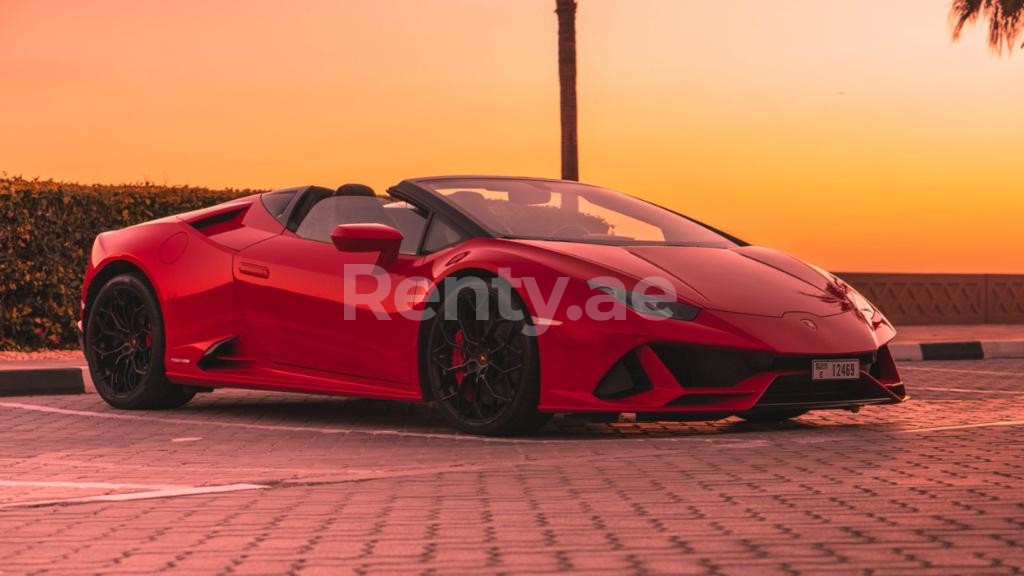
[{"x": 1005, "y": 20}]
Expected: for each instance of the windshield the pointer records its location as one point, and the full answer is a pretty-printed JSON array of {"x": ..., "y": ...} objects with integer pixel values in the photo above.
[{"x": 570, "y": 212}]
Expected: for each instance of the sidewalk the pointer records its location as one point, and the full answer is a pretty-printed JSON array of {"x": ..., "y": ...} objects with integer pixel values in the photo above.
[
  {"x": 65, "y": 372},
  {"x": 959, "y": 342}
]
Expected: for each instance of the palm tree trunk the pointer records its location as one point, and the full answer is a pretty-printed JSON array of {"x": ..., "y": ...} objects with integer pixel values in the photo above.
[{"x": 566, "y": 11}]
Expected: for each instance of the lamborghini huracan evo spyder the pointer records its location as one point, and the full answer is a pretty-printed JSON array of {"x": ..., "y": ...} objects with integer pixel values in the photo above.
[{"x": 501, "y": 300}]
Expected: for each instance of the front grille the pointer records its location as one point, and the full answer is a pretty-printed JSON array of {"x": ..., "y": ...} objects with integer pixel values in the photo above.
[
  {"x": 799, "y": 389},
  {"x": 712, "y": 367},
  {"x": 793, "y": 363},
  {"x": 724, "y": 367}
]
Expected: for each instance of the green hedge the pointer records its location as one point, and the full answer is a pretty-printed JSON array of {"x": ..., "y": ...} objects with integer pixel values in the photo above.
[{"x": 46, "y": 231}]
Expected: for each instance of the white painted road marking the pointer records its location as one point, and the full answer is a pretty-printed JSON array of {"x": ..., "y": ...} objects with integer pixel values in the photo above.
[
  {"x": 390, "y": 433},
  {"x": 195, "y": 422},
  {"x": 171, "y": 492},
  {"x": 972, "y": 390},
  {"x": 967, "y": 426},
  {"x": 956, "y": 371},
  {"x": 286, "y": 428}
]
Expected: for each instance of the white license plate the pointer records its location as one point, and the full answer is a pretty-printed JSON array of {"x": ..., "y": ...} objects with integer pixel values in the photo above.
[{"x": 835, "y": 369}]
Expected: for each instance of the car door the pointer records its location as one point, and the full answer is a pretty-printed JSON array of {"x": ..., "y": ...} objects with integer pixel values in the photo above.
[{"x": 314, "y": 307}]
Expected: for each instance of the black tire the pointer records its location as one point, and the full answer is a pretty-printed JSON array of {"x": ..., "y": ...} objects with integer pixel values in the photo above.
[
  {"x": 769, "y": 416},
  {"x": 484, "y": 375},
  {"x": 124, "y": 345}
]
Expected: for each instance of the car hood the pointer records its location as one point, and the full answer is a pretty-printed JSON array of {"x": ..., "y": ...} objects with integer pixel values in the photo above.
[{"x": 745, "y": 280}]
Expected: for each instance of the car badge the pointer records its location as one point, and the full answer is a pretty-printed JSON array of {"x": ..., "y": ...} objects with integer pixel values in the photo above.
[{"x": 809, "y": 324}]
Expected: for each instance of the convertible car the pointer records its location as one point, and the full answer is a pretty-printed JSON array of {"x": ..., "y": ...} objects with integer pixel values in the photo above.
[{"x": 500, "y": 300}]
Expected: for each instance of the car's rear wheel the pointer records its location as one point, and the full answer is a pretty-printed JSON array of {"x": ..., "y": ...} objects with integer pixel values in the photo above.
[
  {"x": 768, "y": 416},
  {"x": 124, "y": 346},
  {"x": 482, "y": 363}
]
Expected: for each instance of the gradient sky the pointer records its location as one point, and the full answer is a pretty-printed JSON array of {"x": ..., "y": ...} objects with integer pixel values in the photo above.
[{"x": 852, "y": 134}]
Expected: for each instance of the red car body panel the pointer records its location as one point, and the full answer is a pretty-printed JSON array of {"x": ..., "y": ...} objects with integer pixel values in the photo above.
[{"x": 233, "y": 273}]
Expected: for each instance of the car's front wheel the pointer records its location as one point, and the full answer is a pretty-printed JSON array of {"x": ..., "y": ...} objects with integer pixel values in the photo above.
[
  {"x": 482, "y": 362},
  {"x": 124, "y": 346}
]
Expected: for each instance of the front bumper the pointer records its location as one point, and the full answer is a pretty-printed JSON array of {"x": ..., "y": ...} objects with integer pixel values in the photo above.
[{"x": 717, "y": 367}]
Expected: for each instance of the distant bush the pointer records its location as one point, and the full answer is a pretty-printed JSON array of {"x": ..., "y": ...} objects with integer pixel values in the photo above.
[{"x": 46, "y": 232}]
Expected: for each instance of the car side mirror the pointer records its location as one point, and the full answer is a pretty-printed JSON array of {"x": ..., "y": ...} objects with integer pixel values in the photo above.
[{"x": 379, "y": 238}]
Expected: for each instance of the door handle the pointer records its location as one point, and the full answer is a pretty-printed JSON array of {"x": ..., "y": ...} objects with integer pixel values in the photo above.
[{"x": 250, "y": 269}]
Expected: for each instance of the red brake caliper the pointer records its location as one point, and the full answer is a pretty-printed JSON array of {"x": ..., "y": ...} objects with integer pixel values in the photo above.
[{"x": 458, "y": 358}]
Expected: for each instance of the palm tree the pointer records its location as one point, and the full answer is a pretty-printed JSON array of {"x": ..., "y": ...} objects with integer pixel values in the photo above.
[
  {"x": 566, "y": 11},
  {"x": 1005, "y": 20}
]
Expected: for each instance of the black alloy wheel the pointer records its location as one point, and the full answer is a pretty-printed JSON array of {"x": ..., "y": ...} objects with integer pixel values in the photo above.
[
  {"x": 124, "y": 346},
  {"x": 482, "y": 362}
]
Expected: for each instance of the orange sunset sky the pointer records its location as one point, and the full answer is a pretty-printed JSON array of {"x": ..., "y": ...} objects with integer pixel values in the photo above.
[{"x": 852, "y": 134}]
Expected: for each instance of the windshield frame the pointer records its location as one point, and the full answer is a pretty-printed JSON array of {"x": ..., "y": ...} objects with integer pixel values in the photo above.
[{"x": 430, "y": 186}]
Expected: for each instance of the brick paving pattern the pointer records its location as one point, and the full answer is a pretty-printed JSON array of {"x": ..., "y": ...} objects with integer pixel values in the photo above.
[{"x": 316, "y": 485}]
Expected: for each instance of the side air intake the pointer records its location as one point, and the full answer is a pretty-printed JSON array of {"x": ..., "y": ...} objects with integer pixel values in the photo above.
[
  {"x": 221, "y": 355},
  {"x": 626, "y": 378}
]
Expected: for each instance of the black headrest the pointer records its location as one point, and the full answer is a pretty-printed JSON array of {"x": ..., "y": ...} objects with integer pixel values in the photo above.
[
  {"x": 467, "y": 196},
  {"x": 355, "y": 190}
]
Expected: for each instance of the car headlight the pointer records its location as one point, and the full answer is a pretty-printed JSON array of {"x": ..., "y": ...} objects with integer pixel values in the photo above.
[{"x": 650, "y": 305}]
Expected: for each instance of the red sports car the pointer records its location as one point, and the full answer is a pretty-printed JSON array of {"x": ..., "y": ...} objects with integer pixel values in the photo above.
[{"x": 501, "y": 300}]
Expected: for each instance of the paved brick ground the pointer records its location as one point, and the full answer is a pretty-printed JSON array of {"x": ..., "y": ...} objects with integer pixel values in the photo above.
[{"x": 333, "y": 486}]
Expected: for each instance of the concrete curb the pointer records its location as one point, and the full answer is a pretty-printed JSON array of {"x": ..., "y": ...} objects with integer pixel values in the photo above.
[
  {"x": 967, "y": 350},
  {"x": 45, "y": 381}
]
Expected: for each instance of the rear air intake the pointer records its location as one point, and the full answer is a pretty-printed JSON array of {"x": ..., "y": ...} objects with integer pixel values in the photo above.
[{"x": 220, "y": 222}]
